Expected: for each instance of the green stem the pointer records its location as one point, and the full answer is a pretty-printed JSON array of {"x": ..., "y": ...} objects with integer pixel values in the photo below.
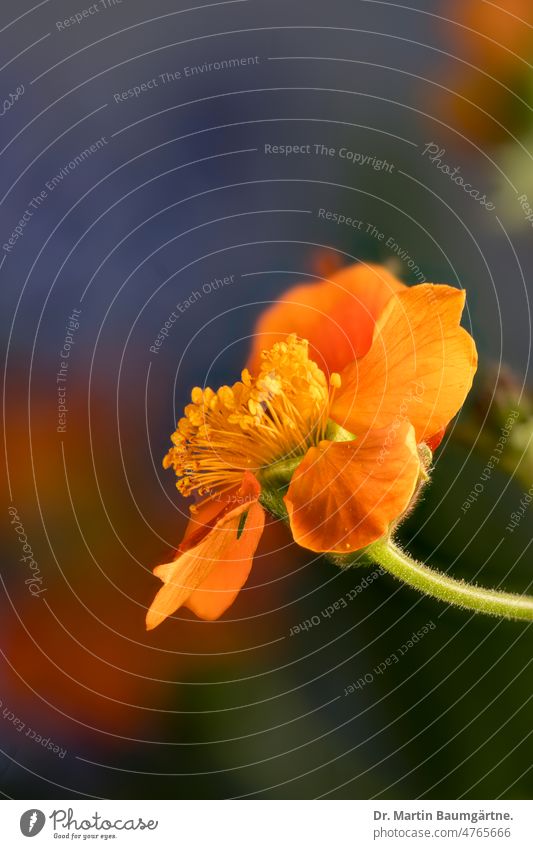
[{"x": 439, "y": 585}]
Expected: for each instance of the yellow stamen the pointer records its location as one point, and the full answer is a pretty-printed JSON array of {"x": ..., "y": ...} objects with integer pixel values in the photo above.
[{"x": 276, "y": 415}]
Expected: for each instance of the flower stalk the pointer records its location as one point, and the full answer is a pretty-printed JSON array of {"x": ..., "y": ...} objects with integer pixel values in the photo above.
[{"x": 431, "y": 582}]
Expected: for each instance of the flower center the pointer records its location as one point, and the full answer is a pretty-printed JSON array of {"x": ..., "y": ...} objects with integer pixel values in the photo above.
[{"x": 256, "y": 422}]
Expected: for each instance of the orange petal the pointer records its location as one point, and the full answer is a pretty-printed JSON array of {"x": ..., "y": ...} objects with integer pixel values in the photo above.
[
  {"x": 223, "y": 546},
  {"x": 345, "y": 495},
  {"x": 434, "y": 441},
  {"x": 205, "y": 514},
  {"x": 336, "y": 316},
  {"x": 222, "y": 586},
  {"x": 420, "y": 366}
]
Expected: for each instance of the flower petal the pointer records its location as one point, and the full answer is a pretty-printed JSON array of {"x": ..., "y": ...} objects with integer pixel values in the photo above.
[
  {"x": 345, "y": 495},
  {"x": 434, "y": 441},
  {"x": 222, "y": 586},
  {"x": 420, "y": 366},
  {"x": 225, "y": 545},
  {"x": 336, "y": 316}
]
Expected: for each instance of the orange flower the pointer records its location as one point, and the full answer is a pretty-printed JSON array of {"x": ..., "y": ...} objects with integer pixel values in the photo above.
[{"x": 337, "y": 457}]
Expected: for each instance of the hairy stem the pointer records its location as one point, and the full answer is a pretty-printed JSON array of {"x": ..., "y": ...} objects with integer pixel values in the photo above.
[{"x": 438, "y": 585}]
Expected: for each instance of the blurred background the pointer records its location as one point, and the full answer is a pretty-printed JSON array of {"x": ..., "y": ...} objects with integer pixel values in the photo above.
[{"x": 136, "y": 172}]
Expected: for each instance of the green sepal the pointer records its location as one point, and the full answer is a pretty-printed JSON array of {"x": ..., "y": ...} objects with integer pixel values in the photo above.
[{"x": 242, "y": 522}]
